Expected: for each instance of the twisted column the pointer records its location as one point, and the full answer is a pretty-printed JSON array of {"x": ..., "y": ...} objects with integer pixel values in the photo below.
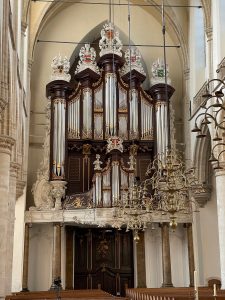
[{"x": 166, "y": 262}]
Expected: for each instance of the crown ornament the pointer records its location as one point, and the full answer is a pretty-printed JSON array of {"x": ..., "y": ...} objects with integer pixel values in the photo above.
[
  {"x": 158, "y": 72},
  {"x": 87, "y": 59},
  {"x": 110, "y": 42},
  {"x": 133, "y": 61},
  {"x": 60, "y": 68}
]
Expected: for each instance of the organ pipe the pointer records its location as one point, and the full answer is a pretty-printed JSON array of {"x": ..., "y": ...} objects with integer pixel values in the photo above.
[
  {"x": 111, "y": 104},
  {"x": 59, "y": 108}
]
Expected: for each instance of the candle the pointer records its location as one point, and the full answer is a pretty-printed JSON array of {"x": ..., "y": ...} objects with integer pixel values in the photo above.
[
  {"x": 196, "y": 285},
  {"x": 214, "y": 290},
  {"x": 195, "y": 280}
]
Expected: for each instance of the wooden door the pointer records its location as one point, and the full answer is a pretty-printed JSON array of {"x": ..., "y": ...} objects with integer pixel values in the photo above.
[{"x": 103, "y": 257}]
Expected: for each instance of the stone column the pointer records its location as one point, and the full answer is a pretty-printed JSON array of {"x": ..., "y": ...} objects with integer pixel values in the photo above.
[
  {"x": 220, "y": 194},
  {"x": 26, "y": 258},
  {"x": 166, "y": 262},
  {"x": 209, "y": 49},
  {"x": 14, "y": 167},
  {"x": 56, "y": 259},
  {"x": 4, "y": 57},
  {"x": 6, "y": 144},
  {"x": 191, "y": 260},
  {"x": 141, "y": 271}
]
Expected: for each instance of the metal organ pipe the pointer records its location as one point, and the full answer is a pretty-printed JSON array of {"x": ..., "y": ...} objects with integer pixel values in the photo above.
[
  {"x": 58, "y": 167},
  {"x": 63, "y": 128},
  {"x": 87, "y": 113},
  {"x": 110, "y": 104},
  {"x": 59, "y": 137},
  {"x": 115, "y": 181},
  {"x": 55, "y": 137},
  {"x": 134, "y": 112}
]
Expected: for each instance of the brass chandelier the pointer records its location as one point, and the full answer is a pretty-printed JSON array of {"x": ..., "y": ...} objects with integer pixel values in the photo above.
[
  {"x": 213, "y": 108},
  {"x": 168, "y": 189},
  {"x": 173, "y": 187},
  {"x": 133, "y": 208}
]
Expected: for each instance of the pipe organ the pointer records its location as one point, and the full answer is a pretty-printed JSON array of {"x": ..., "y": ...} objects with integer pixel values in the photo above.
[{"x": 106, "y": 109}]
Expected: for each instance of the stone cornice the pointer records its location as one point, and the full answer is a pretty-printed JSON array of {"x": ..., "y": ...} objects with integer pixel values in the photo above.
[
  {"x": 6, "y": 144},
  {"x": 203, "y": 197},
  {"x": 98, "y": 216}
]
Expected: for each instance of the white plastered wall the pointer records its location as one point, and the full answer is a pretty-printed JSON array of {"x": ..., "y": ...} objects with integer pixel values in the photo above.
[
  {"x": 40, "y": 257},
  {"x": 178, "y": 254}
]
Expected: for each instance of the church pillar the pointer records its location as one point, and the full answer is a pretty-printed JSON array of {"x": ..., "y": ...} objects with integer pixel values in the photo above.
[
  {"x": 6, "y": 144},
  {"x": 191, "y": 260},
  {"x": 166, "y": 262},
  {"x": 14, "y": 167},
  {"x": 26, "y": 258},
  {"x": 56, "y": 259},
  {"x": 209, "y": 51},
  {"x": 141, "y": 271},
  {"x": 220, "y": 193},
  {"x": 4, "y": 56}
]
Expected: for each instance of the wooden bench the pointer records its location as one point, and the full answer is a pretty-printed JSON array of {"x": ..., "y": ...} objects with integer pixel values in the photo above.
[
  {"x": 94, "y": 294},
  {"x": 183, "y": 293}
]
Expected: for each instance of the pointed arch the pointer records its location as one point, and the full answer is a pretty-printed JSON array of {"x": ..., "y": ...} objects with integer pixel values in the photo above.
[{"x": 203, "y": 167}]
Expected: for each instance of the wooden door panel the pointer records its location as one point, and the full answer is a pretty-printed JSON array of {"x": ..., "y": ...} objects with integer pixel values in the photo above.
[{"x": 104, "y": 257}]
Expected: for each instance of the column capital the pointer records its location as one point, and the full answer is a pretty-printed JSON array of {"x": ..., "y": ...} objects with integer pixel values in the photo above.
[
  {"x": 209, "y": 33},
  {"x": 23, "y": 27},
  {"x": 6, "y": 144},
  {"x": 219, "y": 172},
  {"x": 30, "y": 62}
]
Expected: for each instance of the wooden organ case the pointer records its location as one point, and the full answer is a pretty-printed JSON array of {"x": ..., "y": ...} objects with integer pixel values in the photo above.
[{"x": 103, "y": 131}]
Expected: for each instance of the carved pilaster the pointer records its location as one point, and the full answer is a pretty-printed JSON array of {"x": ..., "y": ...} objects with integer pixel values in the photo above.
[
  {"x": 20, "y": 185},
  {"x": 6, "y": 144},
  {"x": 3, "y": 97},
  {"x": 14, "y": 168}
]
